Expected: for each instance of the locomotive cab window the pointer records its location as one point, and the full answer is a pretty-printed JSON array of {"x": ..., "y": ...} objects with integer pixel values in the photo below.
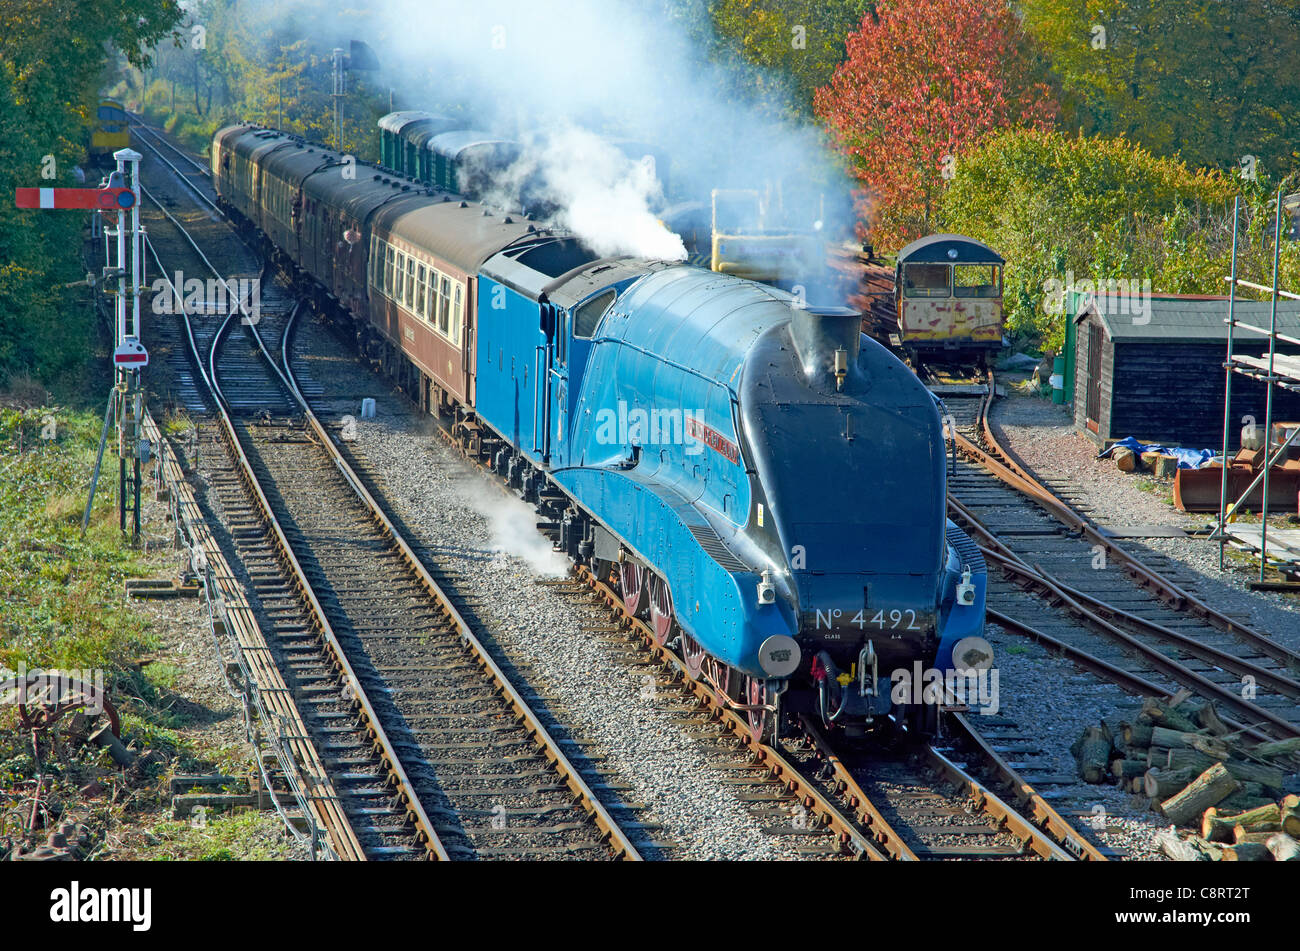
[
  {"x": 926, "y": 280},
  {"x": 587, "y": 318},
  {"x": 976, "y": 280}
]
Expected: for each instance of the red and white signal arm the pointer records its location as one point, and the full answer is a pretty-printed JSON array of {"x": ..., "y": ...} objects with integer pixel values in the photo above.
[
  {"x": 130, "y": 355},
  {"x": 91, "y": 199}
]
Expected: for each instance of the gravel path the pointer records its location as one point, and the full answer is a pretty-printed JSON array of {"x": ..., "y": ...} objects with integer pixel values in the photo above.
[{"x": 474, "y": 529}]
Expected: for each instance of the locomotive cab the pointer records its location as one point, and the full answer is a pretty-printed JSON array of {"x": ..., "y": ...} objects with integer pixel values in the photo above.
[{"x": 948, "y": 297}]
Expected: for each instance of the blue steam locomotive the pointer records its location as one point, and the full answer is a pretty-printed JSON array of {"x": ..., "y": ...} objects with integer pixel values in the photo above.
[{"x": 760, "y": 482}]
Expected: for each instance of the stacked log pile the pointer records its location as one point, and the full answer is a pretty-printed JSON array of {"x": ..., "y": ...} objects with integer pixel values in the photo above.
[{"x": 1201, "y": 775}]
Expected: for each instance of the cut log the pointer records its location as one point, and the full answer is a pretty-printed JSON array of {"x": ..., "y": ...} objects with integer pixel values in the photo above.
[
  {"x": 1187, "y": 759},
  {"x": 1247, "y": 852},
  {"x": 1163, "y": 714},
  {"x": 1277, "y": 748},
  {"x": 1181, "y": 740},
  {"x": 1163, "y": 783},
  {"x": 1218, "y": 825},
  {"x": 1126, "y": 460},
  {"x": 1208, "y": 717},
  {"x": 1240, "y": 802},
  {"x": 1291, "y": 818},
  {"x": 1268, "y": 776},
  {"x": 1164, "y": 467},
  {"x": 1240, "y": 835},
  {"x": 1187, "y": 850},
  {"x": 1283, "y": 847},
  {"x": 1137, "y": 785},
  {"x": 1139, "y": 734},
  {"x": 1094, "y": 755},
  {"x": 1128, "y": 768},
  {"x": 1206, "y": 790}
]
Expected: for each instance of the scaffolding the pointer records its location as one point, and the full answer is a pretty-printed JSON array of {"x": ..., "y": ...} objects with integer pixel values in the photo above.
[{"x": 1275, "y": 370}]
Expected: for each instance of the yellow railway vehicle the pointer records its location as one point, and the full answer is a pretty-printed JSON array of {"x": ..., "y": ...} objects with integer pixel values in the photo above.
[
  {"x": 948, "y": 291},
  {"x": 109, "y": 131}
]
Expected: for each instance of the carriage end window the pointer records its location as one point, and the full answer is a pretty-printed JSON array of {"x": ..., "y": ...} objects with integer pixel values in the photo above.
[
  {"x": 976, "y": 280},
  {"x": 925, "y": 280}
]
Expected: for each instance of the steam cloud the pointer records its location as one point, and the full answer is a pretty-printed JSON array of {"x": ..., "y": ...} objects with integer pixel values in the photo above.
[
  {"x": 512, "y": 525},
  {"x": 563, "y": 73}
]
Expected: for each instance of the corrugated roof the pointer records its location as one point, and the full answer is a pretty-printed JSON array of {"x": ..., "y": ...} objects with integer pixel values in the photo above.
[{"x": 1187, "y": 320}]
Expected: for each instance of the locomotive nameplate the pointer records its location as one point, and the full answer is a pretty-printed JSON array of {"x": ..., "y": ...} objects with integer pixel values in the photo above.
[{"x": 696, "y": 429}]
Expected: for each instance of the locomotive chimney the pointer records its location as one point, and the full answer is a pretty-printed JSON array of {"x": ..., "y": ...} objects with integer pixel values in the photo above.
[{"x": 827, "y": 340}]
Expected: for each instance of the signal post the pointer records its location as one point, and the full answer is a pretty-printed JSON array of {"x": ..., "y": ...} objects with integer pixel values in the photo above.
[{"x": 126, "y": 401}]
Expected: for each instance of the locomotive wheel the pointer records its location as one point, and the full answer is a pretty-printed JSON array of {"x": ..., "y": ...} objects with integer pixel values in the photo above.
[
  {"x": 693, "y": 655},
  {"x": 661, "y": 609},
  {"x": 762, "y": 723},
  {"x": 631, "y": 580}
]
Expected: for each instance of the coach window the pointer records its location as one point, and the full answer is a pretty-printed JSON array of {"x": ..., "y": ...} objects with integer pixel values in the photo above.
[
  {"x": 421, "y": 280},
  {"x": 444, "y": 306},
  {"x": 388, "y": 269},
  {"x": 410, "y": 282},
  {"x": 458, "y": 325},
  {"x": 926, "y": 280}
]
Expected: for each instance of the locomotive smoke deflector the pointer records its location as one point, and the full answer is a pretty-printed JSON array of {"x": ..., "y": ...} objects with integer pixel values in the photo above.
[{"x": 827, "y": 340}]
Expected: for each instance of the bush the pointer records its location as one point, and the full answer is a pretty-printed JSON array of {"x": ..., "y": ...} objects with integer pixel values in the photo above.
[{"x": 1053, "y": 204}]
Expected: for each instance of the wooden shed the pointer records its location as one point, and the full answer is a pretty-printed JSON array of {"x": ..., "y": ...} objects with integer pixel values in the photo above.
[{"x": 1162, "y": 379}]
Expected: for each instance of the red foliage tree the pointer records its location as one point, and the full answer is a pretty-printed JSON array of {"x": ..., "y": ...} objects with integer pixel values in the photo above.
[{"x": 922, "y": 82}]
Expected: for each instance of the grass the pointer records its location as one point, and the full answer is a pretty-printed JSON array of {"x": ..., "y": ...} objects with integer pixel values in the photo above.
[
  {"x": 61, "y": 592},
  {"x": 62, "y": 606},
  {"x": 249, "y": 836}
]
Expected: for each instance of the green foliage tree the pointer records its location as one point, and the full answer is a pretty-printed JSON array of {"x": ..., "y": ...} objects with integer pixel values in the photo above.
[
  {"x": 53, "y": 59},
  {"x": 795, "y": 44},
  {"x": 1209, "y": 80},
  {"x": 1100, "y": 208}
]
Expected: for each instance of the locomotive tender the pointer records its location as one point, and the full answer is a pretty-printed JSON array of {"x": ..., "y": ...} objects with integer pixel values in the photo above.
[{"x": 759, "y": 481}]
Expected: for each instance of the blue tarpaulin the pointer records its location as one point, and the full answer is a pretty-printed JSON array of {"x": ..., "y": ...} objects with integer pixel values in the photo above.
[{"x": 1187, "y": 458}]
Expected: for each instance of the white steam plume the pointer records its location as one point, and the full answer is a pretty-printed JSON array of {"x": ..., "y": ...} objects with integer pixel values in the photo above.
[
  {"x": 602, "y": 196},
  {"x": 512, "y": 527}
]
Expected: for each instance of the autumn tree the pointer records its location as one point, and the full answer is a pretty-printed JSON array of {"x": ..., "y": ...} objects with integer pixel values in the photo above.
[
  {"x": 1057, "y": 205},
  {"x": 1217, "y": 83},
  {"x": 924, "y": 82},
  {"x": 795, "y": 44},
  {"x": 53, "y": 58}
]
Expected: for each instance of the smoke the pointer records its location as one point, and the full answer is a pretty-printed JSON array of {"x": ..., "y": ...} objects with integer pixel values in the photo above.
[
  {"x": 561, "y": 73},
  {"x": 597, "y": 192},
  {"x": 512, "y": 528}
]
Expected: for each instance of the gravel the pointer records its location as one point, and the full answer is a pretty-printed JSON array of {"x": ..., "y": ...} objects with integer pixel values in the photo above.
[
  {"x": 1043, "y": 436},
  {"x": 1033, "y": 681},
  {"x": 487, "y": 538}
]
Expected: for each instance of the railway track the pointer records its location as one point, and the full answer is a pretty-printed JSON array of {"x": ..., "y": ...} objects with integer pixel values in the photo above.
[
  {"x": 433, "y": 750},
  {"x": 915, "y": 802},
  {"x": 1055, "y": 577},
  {"x": 931, "y": 806}
]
